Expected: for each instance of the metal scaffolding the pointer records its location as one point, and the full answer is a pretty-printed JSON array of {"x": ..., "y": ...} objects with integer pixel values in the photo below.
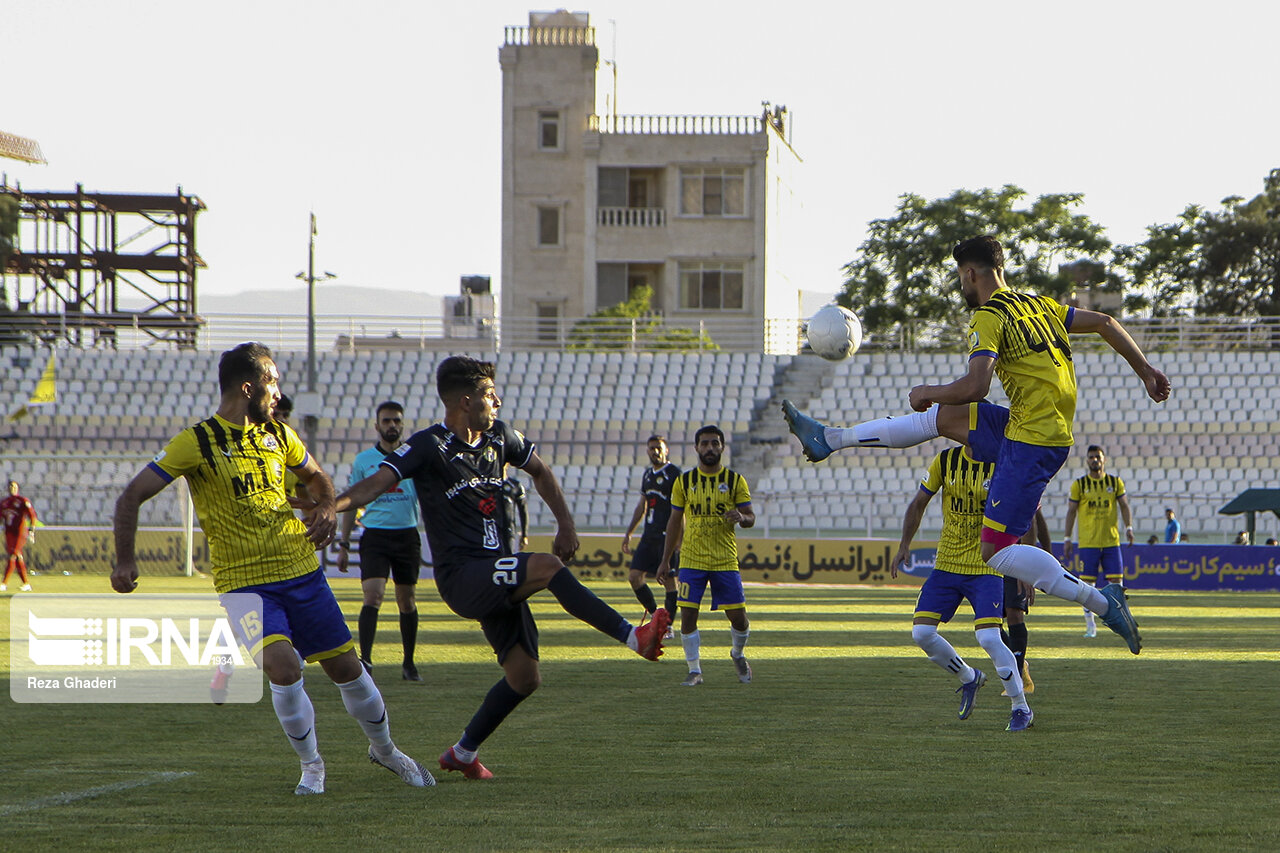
[{"x": 86, "y": 265}]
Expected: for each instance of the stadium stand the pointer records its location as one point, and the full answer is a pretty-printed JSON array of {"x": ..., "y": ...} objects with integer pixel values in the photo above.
[{"x": 591, "y": 412}]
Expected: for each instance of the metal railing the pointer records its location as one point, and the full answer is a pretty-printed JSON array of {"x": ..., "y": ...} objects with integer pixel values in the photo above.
[
  {"x": 550, "y": 36},
  {"x": 632, "y": 217},
  {"x": 674, "y": 125}
]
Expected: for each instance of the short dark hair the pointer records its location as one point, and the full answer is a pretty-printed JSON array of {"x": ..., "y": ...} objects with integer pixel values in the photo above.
[
  {"x": 1097, "y": 447},
  {"x": 285, "y": 406},
  {"x": 985, "y": 251},
  {"x": 656, "y": 437},
  {"x": 460, "y": 374},
  {"x": 387, "y": 404},
  {"x": 709, "y": 429},
  {"x": 242, "y": 363}
]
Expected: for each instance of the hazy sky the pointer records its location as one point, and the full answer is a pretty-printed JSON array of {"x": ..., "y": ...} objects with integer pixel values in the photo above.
[{"x": 384, "y": 117}]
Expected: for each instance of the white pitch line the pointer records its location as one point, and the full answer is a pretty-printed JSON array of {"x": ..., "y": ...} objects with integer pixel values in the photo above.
[{"x": 72, "y": 796}]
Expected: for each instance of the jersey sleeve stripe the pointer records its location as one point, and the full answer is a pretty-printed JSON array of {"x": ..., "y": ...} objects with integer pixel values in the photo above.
[{"x": 164, "y": 475}]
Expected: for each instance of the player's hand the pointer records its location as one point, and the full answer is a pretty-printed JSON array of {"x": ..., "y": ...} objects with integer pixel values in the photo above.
[
  {"x": 322, "y": 524},
  {"x": 1067, "y": 550},
  {"x": 626, "y": 544},
  {"x": 919, "y": 398},
  {"x": 344, "y": 559},
  {"x": 1128, "y": 532},
  {"x": 732, "y": 516},
  {"x": 902, "y": 558},
  {"x": 664, "y": 572},
  {"x": 1157, "y": 385},
  {"x": 304, "y": 504},
  {"x": 565, "y": 544},
  {"x": 124, "y": 577},
  {"x": 1029, "y": 591}
]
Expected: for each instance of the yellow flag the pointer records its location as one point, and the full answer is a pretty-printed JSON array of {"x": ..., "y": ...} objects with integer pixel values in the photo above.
[{"x": 46, "y": 389}]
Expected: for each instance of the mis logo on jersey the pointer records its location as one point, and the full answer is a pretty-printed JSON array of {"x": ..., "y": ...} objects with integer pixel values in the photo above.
[{"x": 920, "y": 562}]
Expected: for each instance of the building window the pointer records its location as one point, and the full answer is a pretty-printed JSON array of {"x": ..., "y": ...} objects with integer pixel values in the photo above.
[
  {"x": 548, "y": 131},
  {"x": 711, "y": 286},
  {"x": 548, "y": 322},
  {"x": 548, "y": 226},
  {"x": 713, "y": 192},
  {"x": 618, "y": 282}
]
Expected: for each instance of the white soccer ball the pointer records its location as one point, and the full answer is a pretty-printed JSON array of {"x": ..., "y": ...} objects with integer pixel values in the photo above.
[{"x": 834, "y": 332}]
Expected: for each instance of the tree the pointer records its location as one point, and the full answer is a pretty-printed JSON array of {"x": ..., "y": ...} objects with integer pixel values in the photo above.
[
  {"x": 1224, "y": 262},
  {"x": 904, "y": 273},
  {"x": 633, "y": 325}
]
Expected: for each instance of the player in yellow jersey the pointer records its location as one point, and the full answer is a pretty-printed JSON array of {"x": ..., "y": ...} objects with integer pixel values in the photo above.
[
  {"x": 707, "y": 505},
  {"x": 1023, "y": 340},
  {"x": 1095, "y": 497},
  {"x": 959, "y": 574},
  {"x": 235, "y": 463}
]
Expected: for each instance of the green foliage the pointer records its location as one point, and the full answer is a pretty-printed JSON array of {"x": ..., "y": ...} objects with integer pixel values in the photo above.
[
  {"x": 904, "y": 272},
  {"x": 633, "y": 325},
  {"x": 1212, "y": 262},
  {"x": 8, "y": 228}
]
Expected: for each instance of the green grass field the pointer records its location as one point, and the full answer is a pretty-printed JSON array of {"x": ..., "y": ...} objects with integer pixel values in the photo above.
[{"x": 846, "y": 740}]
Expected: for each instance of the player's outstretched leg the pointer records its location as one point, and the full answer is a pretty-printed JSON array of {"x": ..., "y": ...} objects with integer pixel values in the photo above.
[
  {"x": 819, "y": 441},
  {"x": 1118, "y": 617},
  {"x": 812, "y": 435}
]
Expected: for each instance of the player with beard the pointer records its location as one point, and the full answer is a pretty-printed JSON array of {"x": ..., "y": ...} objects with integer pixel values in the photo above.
[
  {"x": 656, "y": 484},
  {"x": 1023, "y": 339},
  {"x": 234, "y": 463},
  {"x": 1095, "y": 497},
  {"x": 707, "y": 505},
  {"x": 457, "y": 470},
  {"x": 390, "y": 545}
]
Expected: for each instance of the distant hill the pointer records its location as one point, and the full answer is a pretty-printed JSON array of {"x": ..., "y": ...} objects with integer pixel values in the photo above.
[{"x": 330, "y": 299}]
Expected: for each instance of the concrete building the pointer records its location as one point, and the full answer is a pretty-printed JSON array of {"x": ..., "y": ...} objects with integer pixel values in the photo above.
[{"x": 594, "y": 206}]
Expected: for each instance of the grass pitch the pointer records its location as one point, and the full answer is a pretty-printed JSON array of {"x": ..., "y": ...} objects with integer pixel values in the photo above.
[{"x": 847, "y": 740}]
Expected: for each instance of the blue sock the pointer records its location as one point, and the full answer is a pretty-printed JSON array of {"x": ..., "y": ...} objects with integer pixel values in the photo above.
[
  {"x": 501, "y": 700},
  {"x": 580, "y": 602}
]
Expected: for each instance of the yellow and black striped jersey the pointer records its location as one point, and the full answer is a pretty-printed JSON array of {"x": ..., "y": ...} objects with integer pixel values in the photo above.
[
  {"x": 710, "y": 543},
  {"x": 236, "y": 476},
  {"x": 963, "y": 483},
  {"x": 1027, "y": 336},
  {"x": 1096, "y": 497}
]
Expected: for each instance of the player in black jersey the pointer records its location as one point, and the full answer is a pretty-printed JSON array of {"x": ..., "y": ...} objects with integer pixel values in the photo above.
[
  {"x": 655, "y": 509},
  {"x": 457, "y": 470}
]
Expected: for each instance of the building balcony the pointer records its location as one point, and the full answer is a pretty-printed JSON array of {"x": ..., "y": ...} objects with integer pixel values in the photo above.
[
  {"x": 631, "y": 217},
  {"x": 677, "y": 125}
]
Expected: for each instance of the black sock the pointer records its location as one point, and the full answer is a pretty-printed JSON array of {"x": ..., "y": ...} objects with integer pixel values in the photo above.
[
  {"x": 501, "y": 700},
  {"x": 582, "y": 603},
  {"x": 670, "y": 604},
  {"x": 409, "y": 633},
  {"x": 367, "y": 628},
  {"x": 1018, "y": 634},
  {"x": 645, "y": 596}
]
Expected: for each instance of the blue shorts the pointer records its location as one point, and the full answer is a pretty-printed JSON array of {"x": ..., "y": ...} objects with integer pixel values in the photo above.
[
  {"x": 301, "y": 610},
  {"x": 726, "y": 589},
  {"x": 987, "y": 422},
  {"x": 943, "y": 591},
  {"x": 1107, "y": 559},
  {"x": 1022, "y": 472}
]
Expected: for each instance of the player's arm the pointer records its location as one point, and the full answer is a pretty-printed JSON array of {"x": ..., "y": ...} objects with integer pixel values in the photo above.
[
  {"x": 1127, "y": 516},
  {"x": 142, "y": 488},
  {"x": 910, "y": 525},
  {"x": 522, "y": 509},
  {"x": 672, "y": 542},
  {"x": 1119, "y": 339},
  {"x": 367, "y": 490},
  {"x": 631, "y": 528},
  {"x": 565, "y": 544},
  {"x": 971, "y": 387},
  {"x": 1067, "y": 546},
  {"x": 344, "y": 539},
  {"x": 322, "y": 517}
]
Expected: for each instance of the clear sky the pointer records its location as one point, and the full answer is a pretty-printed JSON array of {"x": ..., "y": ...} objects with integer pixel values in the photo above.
[{"x": 384, "y": 117}]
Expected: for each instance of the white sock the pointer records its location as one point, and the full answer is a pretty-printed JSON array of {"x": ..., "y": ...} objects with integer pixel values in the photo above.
[
  {"x": 941, "y": 652},
  {"x": 902, "y": 431},
  {"x": 1005, "y": 663},
  {"x": 466, "y": 756},
  {"x": 632, "y": 642},
  {"x": 297, "y": 717},
  {"x": 1043, "y": 571},
  {"x": 692, "y": 643},
  {"x": 739, "y": 641},
  {"x": 364, "y": 702},
  {"x": 1089, "y": 623},
  {"x": 227, "y": 666}
]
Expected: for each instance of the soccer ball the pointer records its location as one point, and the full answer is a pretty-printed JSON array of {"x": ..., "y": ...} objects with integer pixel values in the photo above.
[{"x": 834, "y": 332}]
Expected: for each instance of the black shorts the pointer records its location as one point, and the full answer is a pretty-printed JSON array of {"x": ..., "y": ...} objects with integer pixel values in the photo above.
[
  {"x": 1014, "y": 598},
  {"x": 648, "y": 554},
  {"x": 395, "y": 553},
  {"x": 480, "y": 589}
]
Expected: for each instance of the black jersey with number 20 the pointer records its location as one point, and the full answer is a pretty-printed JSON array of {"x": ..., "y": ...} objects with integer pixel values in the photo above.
[{"x": 460, "y": 489}]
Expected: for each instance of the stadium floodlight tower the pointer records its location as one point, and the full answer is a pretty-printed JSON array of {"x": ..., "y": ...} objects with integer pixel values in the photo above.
[{"x": 311, "y": 405}]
